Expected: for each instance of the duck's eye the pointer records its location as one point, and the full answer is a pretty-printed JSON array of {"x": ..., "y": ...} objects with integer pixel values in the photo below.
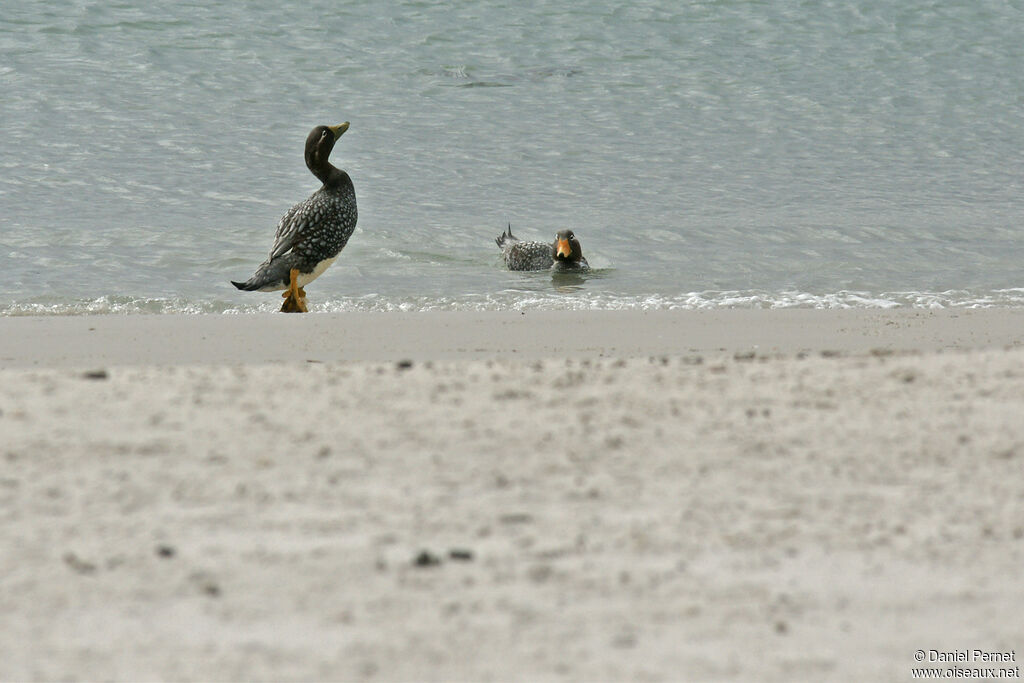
[
  {"x": 571, "y": 235},
  {"x": 323, "y": 134}
]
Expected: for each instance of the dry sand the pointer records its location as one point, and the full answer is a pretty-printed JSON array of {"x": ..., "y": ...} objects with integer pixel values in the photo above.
[{"x": 739, "y": 495}]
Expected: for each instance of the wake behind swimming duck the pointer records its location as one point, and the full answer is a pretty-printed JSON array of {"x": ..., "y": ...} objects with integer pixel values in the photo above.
[
  {"x": 563, "y": 254},
  {"x": 312, "y": 234}
]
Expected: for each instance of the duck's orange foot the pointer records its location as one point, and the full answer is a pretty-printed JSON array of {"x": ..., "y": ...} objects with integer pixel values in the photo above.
[
  {"x": 294, "y": 296},
  {"x": 294, "y": 304}
]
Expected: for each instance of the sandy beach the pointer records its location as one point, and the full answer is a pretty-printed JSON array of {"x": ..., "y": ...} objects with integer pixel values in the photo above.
[{"x": 722, "y": 495}]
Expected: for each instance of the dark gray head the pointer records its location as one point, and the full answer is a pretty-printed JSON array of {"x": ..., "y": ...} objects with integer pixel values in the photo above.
[
  {"x": 566, "y": 248},
  {"x": 319, "y": 144}
]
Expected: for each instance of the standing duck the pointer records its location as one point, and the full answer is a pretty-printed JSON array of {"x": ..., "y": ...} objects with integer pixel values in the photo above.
[{"x": 313, "y": 232}]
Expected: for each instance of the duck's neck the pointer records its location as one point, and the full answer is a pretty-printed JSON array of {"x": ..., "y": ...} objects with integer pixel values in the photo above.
[{"x": 322, "y": 168}]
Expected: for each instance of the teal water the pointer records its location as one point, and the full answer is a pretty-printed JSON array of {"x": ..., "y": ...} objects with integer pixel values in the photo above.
[{"x": 728, "y": 153}]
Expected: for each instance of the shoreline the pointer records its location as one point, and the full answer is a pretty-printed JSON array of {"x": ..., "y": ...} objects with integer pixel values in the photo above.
[
  {"x": 749, "y": 495},
  {"x": 324, "y": 337}
]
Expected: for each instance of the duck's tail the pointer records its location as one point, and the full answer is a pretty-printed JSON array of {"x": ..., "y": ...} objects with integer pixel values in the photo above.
[
  {"x": 271, "y": 276},
  {"x": 249, "y": 286},
  {"x": 506, "y": 237}
]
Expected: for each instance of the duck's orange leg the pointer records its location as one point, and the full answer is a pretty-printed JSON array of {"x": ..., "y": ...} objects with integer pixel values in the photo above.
[{"x": 294, "y": 296}]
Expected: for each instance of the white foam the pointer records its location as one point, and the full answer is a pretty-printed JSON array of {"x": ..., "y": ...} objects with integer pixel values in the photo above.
[{"x": 528, "y": 300}]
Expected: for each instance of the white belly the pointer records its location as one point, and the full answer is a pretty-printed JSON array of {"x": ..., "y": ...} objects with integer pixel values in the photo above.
[{"x": 305, "y": 278}]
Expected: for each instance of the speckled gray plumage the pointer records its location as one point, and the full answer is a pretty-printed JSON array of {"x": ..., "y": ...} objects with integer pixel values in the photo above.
[
  {"x": 313, "y": 231},
  {"x": 520, "y": 255}
]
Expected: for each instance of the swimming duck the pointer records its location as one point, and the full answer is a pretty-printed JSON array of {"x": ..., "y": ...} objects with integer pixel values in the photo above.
[{"x": 562, "y": 254}]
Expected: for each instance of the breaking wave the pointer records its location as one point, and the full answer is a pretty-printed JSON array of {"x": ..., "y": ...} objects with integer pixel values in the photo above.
[{"x": 520, "y": 300}]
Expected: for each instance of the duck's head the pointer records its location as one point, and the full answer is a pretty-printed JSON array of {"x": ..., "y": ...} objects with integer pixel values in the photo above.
[
  {"x": 566, "y": 248},
  {"x": 319, "y": 144}
]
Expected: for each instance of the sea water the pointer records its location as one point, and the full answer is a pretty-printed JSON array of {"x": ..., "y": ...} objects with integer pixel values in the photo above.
[{"x": 726, "y": 153}]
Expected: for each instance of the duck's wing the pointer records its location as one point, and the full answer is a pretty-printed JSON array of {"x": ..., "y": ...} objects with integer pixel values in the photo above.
[
  {"x": 528, "y": 256},
  {"x": 291, "y": 225}
]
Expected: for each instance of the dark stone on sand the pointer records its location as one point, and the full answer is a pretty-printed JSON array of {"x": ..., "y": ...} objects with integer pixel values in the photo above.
[
  {"x": 79, "y": 565},
  {"x": 205, "y": 583},
  {"x": 426, "y": 559},
  {"x": 516, "y": 518}
]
